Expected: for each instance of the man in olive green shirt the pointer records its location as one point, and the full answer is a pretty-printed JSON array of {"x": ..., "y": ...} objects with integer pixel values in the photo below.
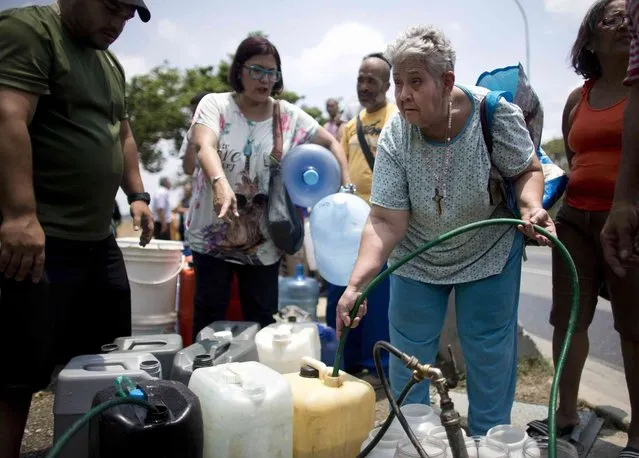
[{"x": 65, "y": 149}]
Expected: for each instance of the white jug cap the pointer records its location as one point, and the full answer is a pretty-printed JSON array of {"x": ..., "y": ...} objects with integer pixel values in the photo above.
[
  {"x": 226, "y": 335},
  {"x": 282, "y": 333},
  {"x": 231, "y": 378}
]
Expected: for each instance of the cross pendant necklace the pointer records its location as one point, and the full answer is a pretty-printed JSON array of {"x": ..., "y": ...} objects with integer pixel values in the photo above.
[{"x": 437, "y": 198}]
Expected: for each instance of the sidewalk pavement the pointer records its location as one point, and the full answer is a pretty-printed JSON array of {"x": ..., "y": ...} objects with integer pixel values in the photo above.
[{"x": 602, "y": 387}]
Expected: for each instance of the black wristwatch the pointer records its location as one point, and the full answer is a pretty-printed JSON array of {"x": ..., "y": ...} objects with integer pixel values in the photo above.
[{"x": 143, "y": 196}]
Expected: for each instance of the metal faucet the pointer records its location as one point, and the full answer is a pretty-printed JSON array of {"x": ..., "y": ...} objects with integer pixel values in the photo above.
[{"x": 450, "y": 418}]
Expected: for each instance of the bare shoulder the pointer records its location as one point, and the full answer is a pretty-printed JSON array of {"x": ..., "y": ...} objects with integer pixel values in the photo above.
[{"x": 573, "y": 100}]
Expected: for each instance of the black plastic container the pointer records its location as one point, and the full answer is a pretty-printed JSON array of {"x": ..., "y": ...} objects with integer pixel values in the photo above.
[{"x": 129, "y": 431}]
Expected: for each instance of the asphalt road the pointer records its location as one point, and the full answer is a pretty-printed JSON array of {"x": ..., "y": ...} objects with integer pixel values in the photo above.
[{"x": 534, "y": 308}]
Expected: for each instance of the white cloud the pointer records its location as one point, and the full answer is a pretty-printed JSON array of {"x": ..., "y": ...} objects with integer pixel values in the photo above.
[
  {"x": 168, "y": 30},
  {"x": 337, "y": 54},
  {"x": 133, "y": 64},
  {"x": 567, "y": 6}
]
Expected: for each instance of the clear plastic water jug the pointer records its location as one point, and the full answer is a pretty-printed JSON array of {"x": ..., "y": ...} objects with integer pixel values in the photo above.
[
  {"x": 299, "y": 290},
  {"x": 482, "y": 447},
  {"x": 538, "y": 448},
  {"x": 310, "y": 173},
  {"x": 420, "y": 418},
  {"x": 247, "y": 411},
  {"x": 387, "y": 445},
  {"x": 280, "y": 346},
  {"x": 439, "y": 432},
  {"x": 337, "y": 222},
  {"x": 434, "y": 448},
  {"x": 511, "y": 436}
]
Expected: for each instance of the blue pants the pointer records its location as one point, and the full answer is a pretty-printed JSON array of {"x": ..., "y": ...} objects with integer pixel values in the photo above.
[
  {"x": 487, "y": 326},
  {"x": 358, "y": 352}
]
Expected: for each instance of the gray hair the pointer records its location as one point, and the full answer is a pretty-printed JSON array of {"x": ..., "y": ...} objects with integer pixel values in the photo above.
[{"x": 427, "y": 44}]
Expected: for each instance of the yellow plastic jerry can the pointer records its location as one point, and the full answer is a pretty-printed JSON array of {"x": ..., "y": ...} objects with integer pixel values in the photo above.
[{"x": 331, "y": 415}]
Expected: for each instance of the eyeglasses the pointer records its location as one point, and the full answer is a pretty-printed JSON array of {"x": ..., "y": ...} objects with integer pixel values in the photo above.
[
  {"x": 257, "y": 72},
  {"x": 616, "y": 21},
  {"x": 257, "y": 200}
]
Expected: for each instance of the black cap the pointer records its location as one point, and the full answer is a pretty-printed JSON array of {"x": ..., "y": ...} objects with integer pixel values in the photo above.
[
  {"x": 143, "y": 11},
  {"x": 307, "y": 371}
]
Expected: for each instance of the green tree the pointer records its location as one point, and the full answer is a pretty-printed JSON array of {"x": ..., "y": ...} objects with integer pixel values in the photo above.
[
  {"x": 158, "y": 105},
  {"x": 556, "y": 150},
  {"x": 316, "y": 113}
]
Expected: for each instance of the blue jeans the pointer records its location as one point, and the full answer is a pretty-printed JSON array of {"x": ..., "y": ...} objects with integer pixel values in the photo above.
[
  {"x": 487, "y": 326},
  {"x": 358, "y": 352}
]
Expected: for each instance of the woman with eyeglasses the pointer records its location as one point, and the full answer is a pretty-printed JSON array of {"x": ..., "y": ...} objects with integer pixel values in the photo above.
[
  {"x": 592, "y": 128},
  {"x": 226, "y": 230}
]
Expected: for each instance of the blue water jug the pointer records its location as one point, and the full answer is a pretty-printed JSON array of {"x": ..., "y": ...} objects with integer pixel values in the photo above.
[
  {"x": 328, "y": 342},
  {"x": 310, "y": 173},
  {"x": 299, "y": 290},
  {"x": 337, "y": 222}
]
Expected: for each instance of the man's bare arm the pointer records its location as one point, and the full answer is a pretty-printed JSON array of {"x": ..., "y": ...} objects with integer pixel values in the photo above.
[
  {"x": 21, "y": 236},
  {"x": 132, "y": 183},
  {"x": 131, "y": 178},
  {"x": 627, "y": 187},
  {"x": 17, "y": 108}
]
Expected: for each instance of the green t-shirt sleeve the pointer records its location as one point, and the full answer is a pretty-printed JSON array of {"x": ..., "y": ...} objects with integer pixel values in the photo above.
[
  {"x": 122, "y": 78},
  {"x": 25, "y": 56}
]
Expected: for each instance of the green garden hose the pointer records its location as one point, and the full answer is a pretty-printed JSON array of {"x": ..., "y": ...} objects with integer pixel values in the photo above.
[{"x": 552, "y": 407}]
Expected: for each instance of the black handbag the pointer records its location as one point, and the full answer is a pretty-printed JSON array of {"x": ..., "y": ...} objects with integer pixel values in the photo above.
[{"x": 283, "y": 219}]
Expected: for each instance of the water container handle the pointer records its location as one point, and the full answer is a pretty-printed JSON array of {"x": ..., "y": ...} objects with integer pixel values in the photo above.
[
  {"x": 324, "y": 371},
  {"x": 315, "y": 364},
  {"x": 159, "y": 282}
]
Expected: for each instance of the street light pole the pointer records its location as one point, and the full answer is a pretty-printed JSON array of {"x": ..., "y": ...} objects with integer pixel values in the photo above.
[{"x": 523, "y": 15}]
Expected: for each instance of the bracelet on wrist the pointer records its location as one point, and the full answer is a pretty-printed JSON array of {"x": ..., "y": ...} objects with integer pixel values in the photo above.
[{"x": 349, "y": 188}]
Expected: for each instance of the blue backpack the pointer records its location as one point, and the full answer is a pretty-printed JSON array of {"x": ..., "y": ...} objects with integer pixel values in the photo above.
[{"x": 512, "y": 84}]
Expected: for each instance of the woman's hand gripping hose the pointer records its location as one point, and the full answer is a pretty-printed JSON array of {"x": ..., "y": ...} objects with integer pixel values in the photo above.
[{"x": 552, "y": 408}]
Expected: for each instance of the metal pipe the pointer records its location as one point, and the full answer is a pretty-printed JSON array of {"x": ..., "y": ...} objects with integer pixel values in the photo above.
[{"x": 527, "y": 36}]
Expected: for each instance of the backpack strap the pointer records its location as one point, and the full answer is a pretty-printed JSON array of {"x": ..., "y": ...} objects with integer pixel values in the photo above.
[
  {"x": 487, "y": 109},
  {"x": 368, "y": 154}
]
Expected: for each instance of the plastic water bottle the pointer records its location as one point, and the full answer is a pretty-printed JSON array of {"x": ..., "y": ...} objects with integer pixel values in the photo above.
[
  {"x": 299, "y": 290},
  {"x": 310, "y": 173},
  {"x": 337, "y": 222}
]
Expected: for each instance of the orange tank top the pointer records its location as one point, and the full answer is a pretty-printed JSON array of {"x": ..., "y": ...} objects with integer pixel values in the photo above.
[{"x": 595, "y": 140}]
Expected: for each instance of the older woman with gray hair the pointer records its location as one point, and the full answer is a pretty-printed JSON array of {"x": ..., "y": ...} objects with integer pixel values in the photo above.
[{"x": 432, "y": 175}]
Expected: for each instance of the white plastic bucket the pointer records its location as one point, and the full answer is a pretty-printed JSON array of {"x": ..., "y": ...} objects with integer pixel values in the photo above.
[{"x": 153, "y": 273}]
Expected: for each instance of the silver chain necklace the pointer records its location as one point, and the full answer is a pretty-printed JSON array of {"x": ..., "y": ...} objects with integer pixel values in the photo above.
[{"x": 438, "y": 197}]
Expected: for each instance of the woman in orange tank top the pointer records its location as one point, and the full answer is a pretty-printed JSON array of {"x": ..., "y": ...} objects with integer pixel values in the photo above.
[{"x": 592, "y": 127}]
